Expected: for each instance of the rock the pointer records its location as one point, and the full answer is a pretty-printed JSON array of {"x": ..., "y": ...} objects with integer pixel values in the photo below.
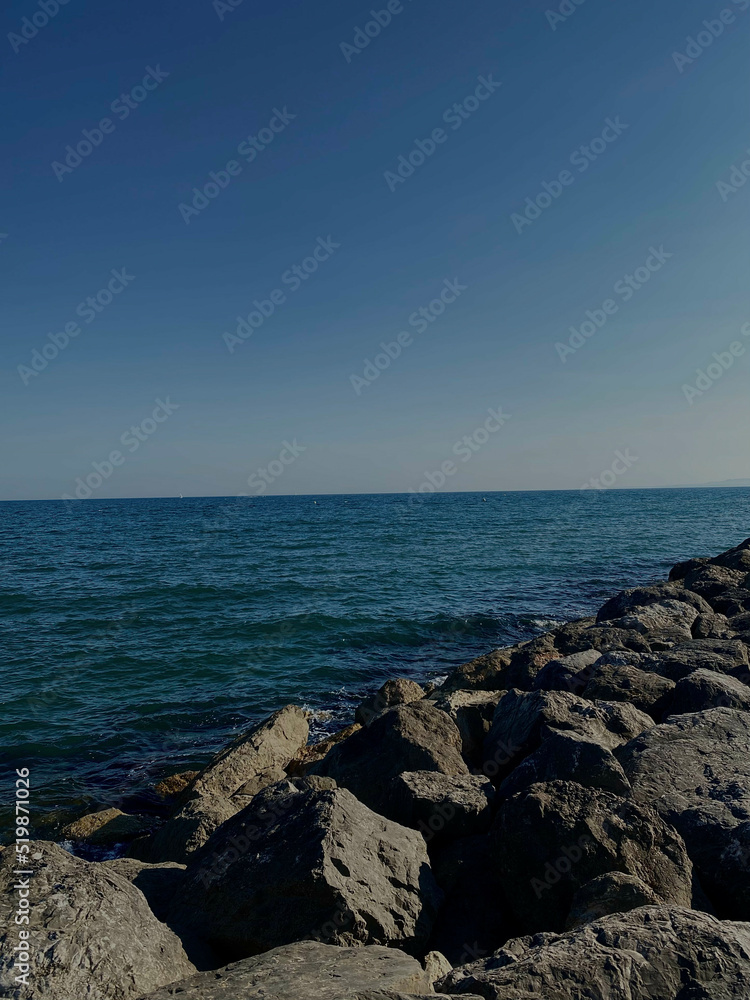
[
  {"x": 313, "y": 752},
  {"x": 396, "y": 692},
  {"x": 577, "y": 636},
  {"x": 680, "y": 570},
  {"x": 416, "y": 737},
  {"x": 309, "y": 864},
  {"x": 475, "y": 917},
  {"x": 528, "y": 659},
  {"x": 486, "y": 673},
  {"x": 441, "y": 806},
  {"x": 713, "y": 626},
  {"x": 110, "y": 826},
  {"x": 652, "y": 953},
  {"x": 628, "y": 601},
  {"x": 158, "y": 883},
  {"x": 472, "y": 713},
  {"x": 737, "y": 558},
  {"x": 706, "y": 689},
  {"x": 436, "y": 965},
  {"x": 734, "y": 601},
  {"x": 307, "y": 970},
  {"x": 695, "y": 769},
  {"x": 569, "y": 673},
  {"x": 254, "y": 760},
  {"x": 614, "y": 892},
  {"x": 257, "y": 783},
  {"x": 711, "y": 580},
  {"x": 568, "y": 757},
  {"x": 524, "y": 719},
  {"x": 553, "y": 838},
  {"x": 665, "y": 621},
  {"x": 92, "y": 933},
  {"x": 725, "y": 656},
  {"x": 171, "y": 788},
  {"x": 645, "y": 690}
]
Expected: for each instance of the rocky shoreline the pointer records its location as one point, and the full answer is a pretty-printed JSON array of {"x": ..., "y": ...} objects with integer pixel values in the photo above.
[{"x": 564, "y": 819}]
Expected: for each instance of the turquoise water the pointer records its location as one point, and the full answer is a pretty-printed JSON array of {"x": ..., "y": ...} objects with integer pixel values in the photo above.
[{"x": 141, "y": 635}]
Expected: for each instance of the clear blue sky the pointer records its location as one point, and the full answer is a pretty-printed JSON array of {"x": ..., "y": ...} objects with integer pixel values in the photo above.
[{"x": 328, "y": 174}]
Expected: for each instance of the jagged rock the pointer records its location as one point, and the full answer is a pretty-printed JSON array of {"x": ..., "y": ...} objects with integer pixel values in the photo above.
[
  {"x": 577, "y": 636},
  {"x": 628, "y": 601},
  {"x": 441, "y": 806},
  {"x": 436, "y": 965},
  {"x": 614, "y": 892},
  {"x": 569, "y": 673},
  {"x": 307, "y": 970},
  {"x": 158, "y": 883},
  {"x": 528, "y": 659},
  {"x": 645, "y": 690},
  {"x": 652, "y": 953},
  {"x": 475, "y": 917},
  {"x": 725, "y": 656},
  {"x": 568, "y": 757},
  {"x": 680, "y": 570},
  {"x": 254, "y": 760},
  {"x": 734, "y": 601},
  {"x": 313, "y": 752},
  {"x": 706, "y": 689},
  {"x": 713, "y": 626},
  {"x": 400, "y": 691},
  {"x": 695, "y": 769},
  {"x": 472, "y": 712},
  {"x": 551, "y": 839},
  {"x": 171, "y": 788},
  {"x": 711, "y": 580},
  {"x": 415, "y": 737},
  {"x": 486, "y": 673},
  {"x": 524, "y": 719},
  {"x": 91, "y": 933},
  {"x": 309, "y": 864},
  {"x": 735, "y": 558},
  {"x": 665, "y": 621},
  {"x": 109, "y": 826}
]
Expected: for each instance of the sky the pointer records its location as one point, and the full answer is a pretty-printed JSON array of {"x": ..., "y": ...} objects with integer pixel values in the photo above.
[{"x": 258, "y": 198}]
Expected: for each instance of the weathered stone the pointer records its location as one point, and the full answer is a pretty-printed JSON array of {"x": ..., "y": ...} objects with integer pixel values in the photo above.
[
  {"x": 307, "y": 970},
  {"x": 188, "y": 829},
  {"x": 734, "y": 601},
  {"x": 569, "y": 673},
  {"x": 736, "y": 558},
  {"x": 528, "y": 660},
  {"x": 416, "y": 737},
  {"x": 313, "y": 752},
  {"x": 614, "y": 892},
  {"x": 726, "y": 656},
  {"x": 680, "y": 570},
  {"x": 472, "y": 712},
  {"x": 652, "y": 953},
  {"x": 706, "y": 689},
  {"x": 436, "y": 965},
  {"x": 552, "y": 838},
  {"x": 441, "y": 806},
  {"x": 301, "y": 864},
  {"x": 171, "y": 788},
  {"x": 110, "y": 826},
  {"x": 711, "y": 580},
  {"x": 574, "y": 638},
  {"x": 92, "y": 933},
  {"x": 568, "y": 757},
  {"x": 695, "y": 769},
  {"x": 644, "y": 690},
  {"x": 713, "y": 626},
  {"x": 400, "y": 691},
  {"x": 666, "y": 621},
  {"x": 158, "y": 883},
  {"x": 486, "y": 673},
  {"x": 627, "y": 601}
]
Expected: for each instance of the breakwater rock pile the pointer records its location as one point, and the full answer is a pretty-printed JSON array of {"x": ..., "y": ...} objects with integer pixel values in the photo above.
[{"x": 564, "y": 819}]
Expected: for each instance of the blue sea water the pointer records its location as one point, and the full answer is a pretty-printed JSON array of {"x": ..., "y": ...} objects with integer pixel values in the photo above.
[{"x": 141, "y": 635}]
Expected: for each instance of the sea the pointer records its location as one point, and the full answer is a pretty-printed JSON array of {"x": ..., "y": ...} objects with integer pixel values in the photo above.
[{"x": 140, "y": 636}]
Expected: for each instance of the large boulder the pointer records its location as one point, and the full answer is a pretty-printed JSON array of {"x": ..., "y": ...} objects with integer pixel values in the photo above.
[
  {"x": 661, "y": 622},
  {"x": 575, "y": 637},
  {"x": 309, "y": 864},
  {"x": 569, "y": 673},
  {"x": 523, "y": 720},
  {"x": 472, "y": 712},
  {"x": 611, "y": 680},
  {"x": 415, "y": 737},
  {"x": 725, "y": 656},
  {"x": 486, "y": 673},
  {"x": 253, "y": 761},
  {"x": 614, "y": 892},
  {"x": 400, "y": 691},
  {"x": 91, "y": 933},
  {"x": 695, "y": 770},
  {"x": 442, "y": 806},
  {"x": 651, "y": 953},
  {"x": 568, "y": 757},
  {"x": 706, "y": 689},
  {"x": 307, "y": 970},
  {"x": 629, "y": 601},
  {"x": 552, "y": 838},
  {"x": 107, "y": 827},
  {"x": 528, "y": 659}
]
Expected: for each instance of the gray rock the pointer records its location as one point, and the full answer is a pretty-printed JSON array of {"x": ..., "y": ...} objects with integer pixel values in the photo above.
[
  {"x": 627, "y": 601},
  {"x": 713, "y": 626},
  {"x": 666, "y": 621},
  {"x": 725, "y": 656},
  {"x": 528, "y": 659},
  {"x": 307, "y": 970},
  {"x": 92, "y": 933},
  {"x": 416, "y": 737},
  {"x": 710, "y": 580},
  {"x": 107, "y": 827},
  {"x": 158, "y": 883},
  {"x": 652, "y": 953},
  {"x": 706, "y": 689},
  {"x": 736, "y": 558},
  {"x": 400, "y": 691},
  {"x": 486, "y": 673},
  {"x": 695, "y": 769},
  {"x": 524, "y": 719},
  {"x": 251, "y": 762},
  {"x": 586, "y": 634},
  {"x": 568, "y": 757},
  {"x": 569, "y": 673},
  {"x": 441, "y": 806},
  {"x": 553, "y": 838},
  {"x": 614, "y": 892},
  {"x": 645, "y": 690},
  {"x": 472, "y": 712},
  {"x": 309, "y": 864},
  {"x": 436, "y": 965}
]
